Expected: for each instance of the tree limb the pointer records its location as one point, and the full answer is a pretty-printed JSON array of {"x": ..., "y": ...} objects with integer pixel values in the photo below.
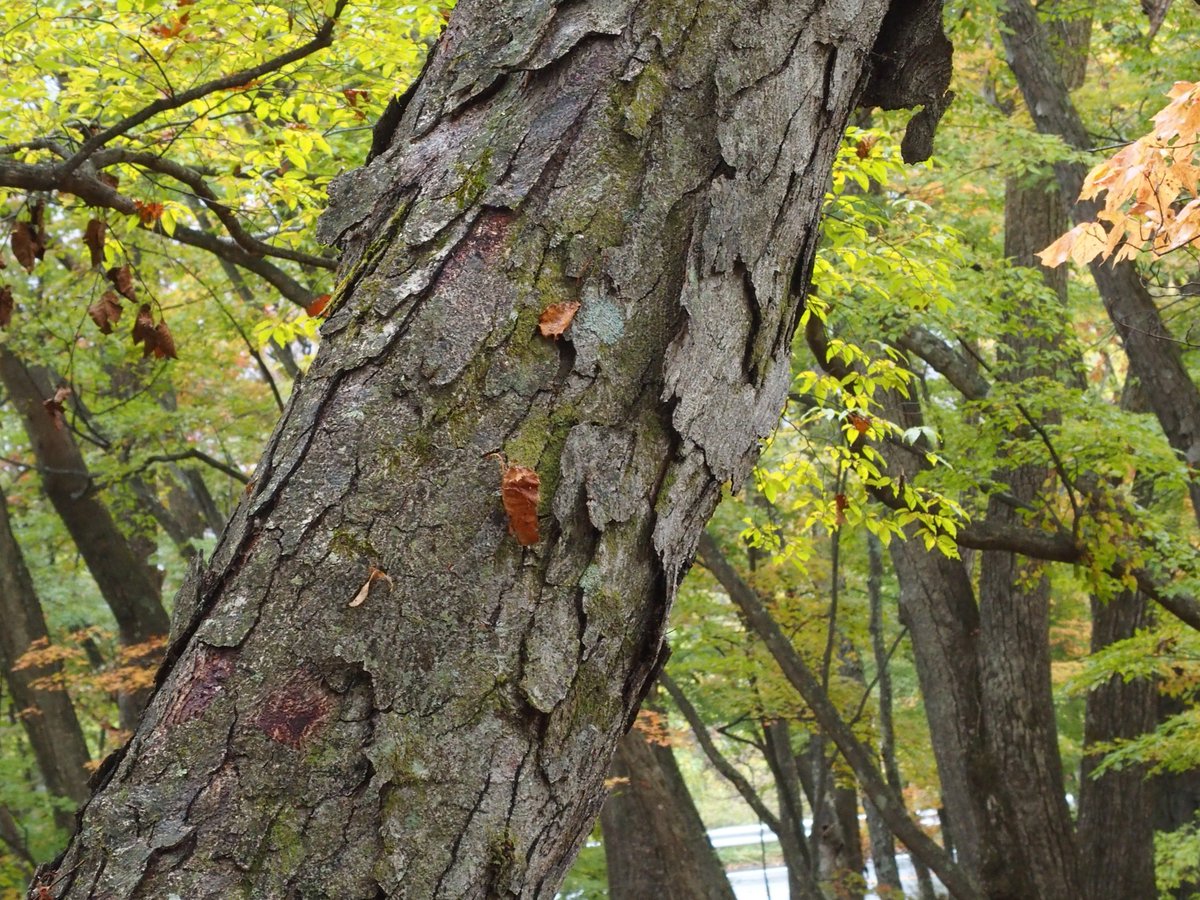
[
  {"x": 889, "y": 804},
  {"x": 320, "y": 40}
]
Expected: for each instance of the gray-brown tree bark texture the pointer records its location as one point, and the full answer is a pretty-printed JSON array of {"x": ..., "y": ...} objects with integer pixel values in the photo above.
[{"x": 660, "y": 162}]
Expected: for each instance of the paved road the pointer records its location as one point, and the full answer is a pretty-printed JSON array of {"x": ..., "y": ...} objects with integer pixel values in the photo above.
[{"x": 771, "y": 883}]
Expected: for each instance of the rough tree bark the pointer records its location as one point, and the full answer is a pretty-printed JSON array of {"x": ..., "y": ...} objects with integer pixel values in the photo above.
[
  {"x": 660, "y": 162},
  {"x": 1014, "y": 592}
]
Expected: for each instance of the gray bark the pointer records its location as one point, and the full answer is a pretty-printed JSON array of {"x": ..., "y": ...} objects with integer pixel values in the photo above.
[{"x": 663, "y": 164}]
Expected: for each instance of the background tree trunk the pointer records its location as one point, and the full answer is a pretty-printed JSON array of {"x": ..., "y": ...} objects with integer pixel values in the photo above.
[
  {"x": 661, "y": 163},
  {"x": 655, "y": 844},
  {"x": 47, "y": 716}
]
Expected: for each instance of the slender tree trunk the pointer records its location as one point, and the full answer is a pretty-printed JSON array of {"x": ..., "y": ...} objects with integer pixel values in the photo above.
[
  {"x": 661, "y": 163},
  {"x": 890, "y": 805},
  {"x": 1120, "y": 801},
  {"x": 802, "y": 875},
  {"x": 47, "y": 716},
  {"x": 124, "y": 581},
  {"x": 883, "y": 845},
  {"x": 129, "y": 588},
  {"x": 655, "y": 844}
]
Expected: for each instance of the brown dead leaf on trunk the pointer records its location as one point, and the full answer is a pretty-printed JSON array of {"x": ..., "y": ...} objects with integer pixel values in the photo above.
[
  {"x": 556, "y": 318},
  {"x": 365, "y": 590},
  {"x": 519, "y": 488},
  {"x": 54, "y": 407}
]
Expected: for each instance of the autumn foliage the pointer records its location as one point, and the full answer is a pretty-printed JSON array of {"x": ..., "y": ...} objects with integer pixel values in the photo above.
[{"x": 1149, "y": 188}]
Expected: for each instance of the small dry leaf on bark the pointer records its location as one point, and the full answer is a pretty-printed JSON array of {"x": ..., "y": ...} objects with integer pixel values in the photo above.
[
  {"x": 519, "y": 487},
  {"x": 365, "y": 590},
  {"x": 556, "y": 318}
]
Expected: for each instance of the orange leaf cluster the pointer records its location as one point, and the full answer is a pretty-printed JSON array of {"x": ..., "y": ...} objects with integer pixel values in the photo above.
[
  {"x": 148, "y": 213},
  {"x": 171, "y": 30},
  {"x": 1151, "y": 202}
]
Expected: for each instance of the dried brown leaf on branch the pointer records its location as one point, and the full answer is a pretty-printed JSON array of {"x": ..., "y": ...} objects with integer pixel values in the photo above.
[
  {"x": 155, "y": 338},
  {"x": 105, "y": 312},
  {"x": 148, "y": 213},
  {"x": 6, "y": 306},
  {"x": 164, "y": 342},
  {"x": 556, "y": 318},
  {"x": 24, "y": 245},
  {"x": 122, "y": 279},
  {"x": 93, "y": 236}
]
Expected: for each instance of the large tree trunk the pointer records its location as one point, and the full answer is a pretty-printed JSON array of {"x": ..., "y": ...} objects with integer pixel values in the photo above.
[
  {"x": 1014, "y": 593},
  {"x": 48, "y": 716},
  {"x": 655, "y": 844},
  {"x": 663, "y": 164}
]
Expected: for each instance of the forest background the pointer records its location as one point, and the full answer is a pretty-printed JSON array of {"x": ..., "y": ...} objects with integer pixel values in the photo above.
[{"x": 942, "y": 381}]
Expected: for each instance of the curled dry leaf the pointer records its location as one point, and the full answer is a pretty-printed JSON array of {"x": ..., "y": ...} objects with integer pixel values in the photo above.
[
  {"x": 122, "y": 279},
  {"x": 155, "y": 338},
  {"x": 365, "y": 590},
  {"x": 55, "y": 409},
  {"x": 143, "y": 325},
  {"x": 93, "y": 236},
  {"x": 519, "y": 490},
  {"x": 164, "y": 342},
  {"x": 318, "y": 305},
  {"x": 556, "y": 318},
  {"x": 6, "y": 306},
  {"x": 105, "y": 312},
  {"x": 23, "y": 245}
]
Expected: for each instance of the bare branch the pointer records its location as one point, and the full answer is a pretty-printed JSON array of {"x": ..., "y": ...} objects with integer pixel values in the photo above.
[
  {"x": 199, "y": 186},
  {"x": 95, "y": 192},
  {"x": 197, "y": 455}
]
